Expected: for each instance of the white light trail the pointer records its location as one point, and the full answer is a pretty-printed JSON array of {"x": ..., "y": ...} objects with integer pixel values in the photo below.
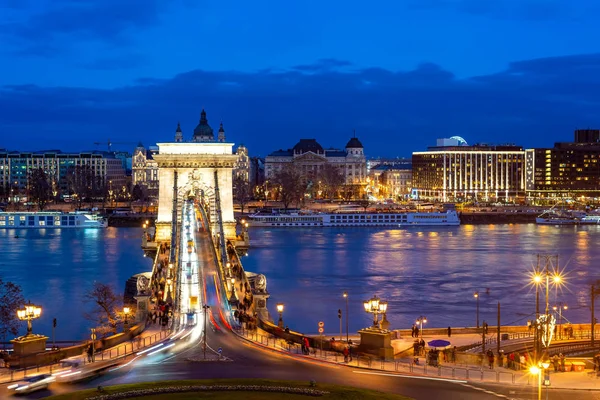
[
  {"x": 164, "y": 348},
  {"x": 150, "y": 349}
]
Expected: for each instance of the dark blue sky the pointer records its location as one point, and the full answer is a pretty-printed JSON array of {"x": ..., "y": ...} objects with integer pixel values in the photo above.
[{"x": 400, "y": 72}]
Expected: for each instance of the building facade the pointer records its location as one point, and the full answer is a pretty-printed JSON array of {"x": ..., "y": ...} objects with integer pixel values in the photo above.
[
  {"x": 144, "y": 167},
  {"x": 242, "y": 165},
  {"x": 16, "y": 166},
  {"x": 462, "y": 172},
  {"x": 569, "y": 169},
  {"x": 310, "y": 158}
]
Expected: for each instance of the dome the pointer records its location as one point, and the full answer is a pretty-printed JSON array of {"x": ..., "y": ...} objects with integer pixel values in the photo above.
[
  {"x": 354, "y": 143},
  {"x": 306, "y": 145},
  {"x": 203, "y": 132}
]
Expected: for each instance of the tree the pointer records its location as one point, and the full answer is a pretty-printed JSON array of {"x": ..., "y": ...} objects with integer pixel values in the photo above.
[
  {"x": 107, "y": 308},
  {"x": 289, "y": 185},
  {"x": 11, "y": 300},
  {"x": 83, "y": 183},
  {"x": 137, "y": 192},
  {"x": 331, "y": 179},
  {"x": 241, "y": 191},
  {"x": 40, "y": 188}
]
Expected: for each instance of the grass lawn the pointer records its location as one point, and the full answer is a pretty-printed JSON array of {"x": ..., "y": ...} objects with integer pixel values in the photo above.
[{"x": 335, "y": 391}]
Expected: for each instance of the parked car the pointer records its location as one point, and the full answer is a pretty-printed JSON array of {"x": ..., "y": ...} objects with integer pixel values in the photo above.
[{"x": 31, "y": 384}]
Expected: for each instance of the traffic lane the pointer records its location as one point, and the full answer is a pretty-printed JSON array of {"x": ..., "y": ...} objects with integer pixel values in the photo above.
[{"x": 299, "y": 371}]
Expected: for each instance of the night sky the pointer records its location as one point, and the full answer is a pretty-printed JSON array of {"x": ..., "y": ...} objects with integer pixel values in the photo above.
[{"x": 400, "y": 72}]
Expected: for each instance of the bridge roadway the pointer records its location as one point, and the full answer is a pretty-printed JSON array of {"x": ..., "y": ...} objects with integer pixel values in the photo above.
[{"x": 182, "y": 357}]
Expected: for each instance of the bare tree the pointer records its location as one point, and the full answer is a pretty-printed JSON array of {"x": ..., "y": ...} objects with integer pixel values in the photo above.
[
  {"x": 107, "y": 308},
  {"x": 331, "y": 179},
  {"x": 83, "y": 183},
  {"x": 241, "y": 191},
  {"x": 40, "y": 188},
  {"x": 11, "y": 299},
  {"x": 289, "y": 183}
]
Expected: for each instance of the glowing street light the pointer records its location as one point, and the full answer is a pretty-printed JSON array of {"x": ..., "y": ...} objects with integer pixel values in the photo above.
[
  {"x": 280, "y": 311},
  {"x": 421, "y": 320},
  {"x": 476, "y": 295},
  {"x": 539, "y": 370},
  {"x": 560, "y": 307},
  {"x": 28, "y": 313},
  {"x": 126, "y": 311},
  {"x": 375, "y": 306}
]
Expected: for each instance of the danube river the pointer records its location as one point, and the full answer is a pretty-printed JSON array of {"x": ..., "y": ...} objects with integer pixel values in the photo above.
[
  {"x": 55, "y": 267},
  {"x": 431, "y": 272}
]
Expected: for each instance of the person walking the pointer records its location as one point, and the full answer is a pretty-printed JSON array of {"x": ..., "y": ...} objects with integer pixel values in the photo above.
[
  {"x": 449, "y": 331},
  {"x": 346, "y": 353},
  {"x": 90, "y": 352}
]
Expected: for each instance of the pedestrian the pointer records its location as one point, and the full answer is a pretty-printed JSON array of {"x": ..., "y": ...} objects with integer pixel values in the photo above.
[
  {"x": 491, "y": 359},
  {"x": 562, "y": 362},
  {"x": 449, "y": 331},
  {"x": 306, "y": 345},
  {"x": 412, "y": 330},
  {"x": 454, "y": 354},
  {"x": 346, "y": 352},
  {"x": 90, "y": 352}
]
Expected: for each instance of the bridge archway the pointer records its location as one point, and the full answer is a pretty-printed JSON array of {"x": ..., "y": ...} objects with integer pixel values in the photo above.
[{"x": 189, "y": 168}]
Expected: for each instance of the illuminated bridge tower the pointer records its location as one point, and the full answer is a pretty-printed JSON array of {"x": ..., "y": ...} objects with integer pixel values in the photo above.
[{"x": 188, "y": 169}]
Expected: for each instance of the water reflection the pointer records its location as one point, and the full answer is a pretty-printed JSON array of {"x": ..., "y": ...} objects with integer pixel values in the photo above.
[
  {"x": 428, "y": 271},
  {"x": 55, "y": 267}
]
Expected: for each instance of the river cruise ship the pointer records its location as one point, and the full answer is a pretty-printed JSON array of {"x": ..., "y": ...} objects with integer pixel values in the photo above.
[
  {"x": 399, "y": 219},
  {"x": 51, "y": 219}
]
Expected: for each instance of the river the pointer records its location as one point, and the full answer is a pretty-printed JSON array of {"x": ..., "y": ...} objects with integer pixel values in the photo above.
[{"x": 420, "y": 271}]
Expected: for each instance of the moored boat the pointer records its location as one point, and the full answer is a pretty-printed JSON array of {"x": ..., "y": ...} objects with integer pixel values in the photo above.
[
  {"x": 51, "y": 219},
  {"x": 397, "y": 219}
]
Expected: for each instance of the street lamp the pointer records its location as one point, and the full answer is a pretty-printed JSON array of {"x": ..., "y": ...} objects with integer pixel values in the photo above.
[
  {"x": 280, "y": 311},
  {"x": 345, "y": 294},
  {"x": 27, "y": 313},
  {"x": 476, "y": 295},
  {"x": 375, "y": 306},
  {"x": 421, "y": 320},
  {"x": 538, "y": 370},
  {"x": 125, "y": 314},
  {"x": 560, "y": 307}
]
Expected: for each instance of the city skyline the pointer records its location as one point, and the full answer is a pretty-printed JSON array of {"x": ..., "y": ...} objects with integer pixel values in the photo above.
[{"x": 401, "y": 74}]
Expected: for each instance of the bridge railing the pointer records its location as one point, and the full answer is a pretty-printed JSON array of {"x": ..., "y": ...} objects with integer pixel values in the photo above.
[
  {"x": 124, "y": 350},
  {"x": 446, "y": 369}
]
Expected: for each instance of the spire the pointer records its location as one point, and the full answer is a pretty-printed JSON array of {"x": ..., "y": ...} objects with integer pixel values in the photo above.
[
  {"x": 354, "y": 133},
  {"x": 178, "y": 134},
  {"x": 203, "y": 116},
  {"x": 221, "y": 136}
]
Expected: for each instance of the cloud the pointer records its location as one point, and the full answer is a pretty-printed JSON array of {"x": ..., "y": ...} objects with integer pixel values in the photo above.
[
  {"x": 532, "y": 103},
  {"x": 49, "y": 28},
  {"x": 530, "y": 10}
]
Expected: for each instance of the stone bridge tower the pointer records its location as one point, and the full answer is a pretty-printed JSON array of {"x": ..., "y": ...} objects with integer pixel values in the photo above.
[{"x": 195, "y": 163}]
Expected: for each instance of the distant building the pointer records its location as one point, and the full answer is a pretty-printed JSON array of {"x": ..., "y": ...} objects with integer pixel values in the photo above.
[
  {"x": 144, "y": 168},
  {"x": 569, "y": 169},
  {"x": 393, "y": 181},
  {"x": 257, "y": 171},
  {"x": 15, "y": 167},
  {"x": 460, "y": 172},
  {"x": 310, "y": 157},
  {"x": 242, "y": 166}
]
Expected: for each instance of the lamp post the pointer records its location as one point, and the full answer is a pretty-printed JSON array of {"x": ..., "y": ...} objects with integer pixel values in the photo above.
[
  {"x": 280, "y": 311},
  {"x": 125, "y": 315},
  {"x": 375, "y": 306},
  {"x": 544, "y": 277},
  {"x": 345, "y": 294},
  {"x": 476, "y": 295},
  {"x": 205, "y": 307},
  {"x": 560, "y": 307},
  {"x": 28, "y": 313},
  {"x": 538, "y": 370},
  {"x": 421, "y": 320}
]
